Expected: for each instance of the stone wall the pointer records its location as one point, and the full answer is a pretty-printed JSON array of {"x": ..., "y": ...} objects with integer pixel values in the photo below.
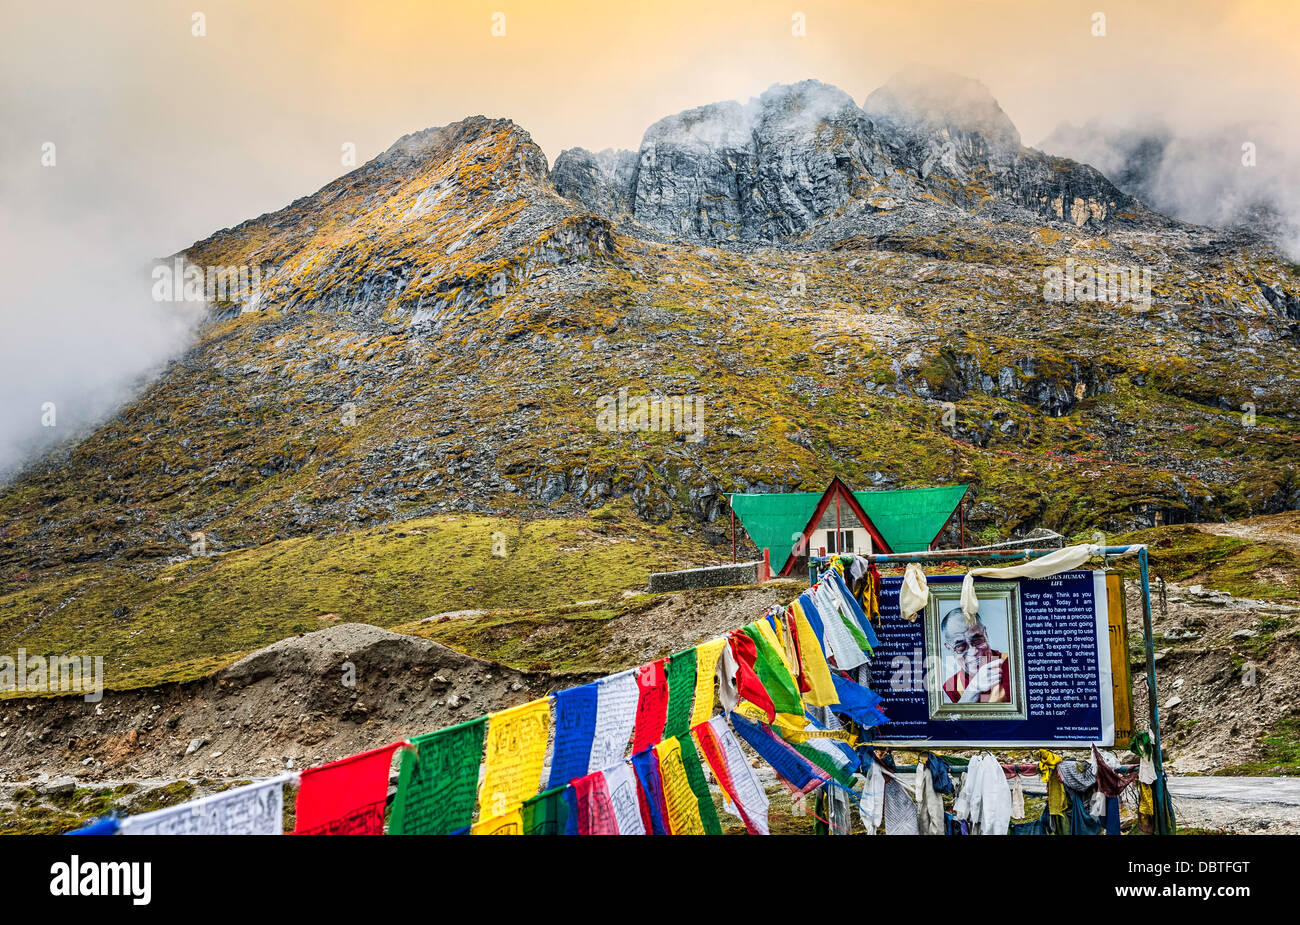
[{"x": 714, "y": 576}]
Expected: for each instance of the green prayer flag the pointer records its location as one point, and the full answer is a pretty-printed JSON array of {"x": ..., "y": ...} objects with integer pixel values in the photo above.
[
  {"x": 699, "y": 786},
  {"x": 438, "y": 785},
  {"x": 547, "y": 813},
  {"x": 826, "y": 763},
  {"x": 681, "y": 693},
  {"x": 777, "y": 681},
  {"x": 856, "y": 632}
]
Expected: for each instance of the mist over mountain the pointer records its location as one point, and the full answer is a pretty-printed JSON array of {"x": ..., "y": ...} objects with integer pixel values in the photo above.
[
  {"x": 805, "y": 155},
  {"x": 1233, "y": 176}
]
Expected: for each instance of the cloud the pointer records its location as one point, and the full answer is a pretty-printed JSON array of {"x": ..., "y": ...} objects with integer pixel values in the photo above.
[
  {"x": 1220, "y": 172},
  {"x": 81, "y": 332}
]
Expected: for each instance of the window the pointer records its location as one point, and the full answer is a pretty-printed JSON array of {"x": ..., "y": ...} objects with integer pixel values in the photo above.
[{"x": 845, "y": 544}]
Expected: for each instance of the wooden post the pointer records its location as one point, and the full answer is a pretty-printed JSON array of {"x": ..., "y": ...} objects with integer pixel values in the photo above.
[
  {"x": 838, "y": 542},
  {"x": 961, "y": 524},
  {"x": 733, "y": 535}
]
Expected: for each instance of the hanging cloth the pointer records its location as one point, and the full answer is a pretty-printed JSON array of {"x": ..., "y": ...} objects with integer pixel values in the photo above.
[
  {"x": 747, "y": 682},
  {"x": 871, "y": 805},
  {"x": 345, "y": 797},
  {"x": 1017, "y": 798},
  {"x": 914, "y": 594},
  {"x": 706, "y": 663},
  {"x": 651, "y": 705},
  {"x": 821, "y": 689},
  {"x": 595, "y": 809},
  {"x": 929, "y": 805},
  {"x": 1061, "y": 560}
]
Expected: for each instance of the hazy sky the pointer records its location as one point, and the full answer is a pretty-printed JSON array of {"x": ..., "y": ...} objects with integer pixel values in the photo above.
[{"x": 162, "y": 136}]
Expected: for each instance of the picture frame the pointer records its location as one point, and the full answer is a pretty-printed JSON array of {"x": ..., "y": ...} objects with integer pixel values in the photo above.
[{"x": 957, "y": 673}]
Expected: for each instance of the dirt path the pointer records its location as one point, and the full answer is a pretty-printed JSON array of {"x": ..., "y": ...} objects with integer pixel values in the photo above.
[{"x": 1270, "y": 528}]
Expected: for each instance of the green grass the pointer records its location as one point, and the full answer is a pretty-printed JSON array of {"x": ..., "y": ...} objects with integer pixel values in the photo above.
[
  {"x": 1256, "y": 569},
  {"x": 59, "y": 813},
  {"x": 1279, "y": 753},
  {"x": 185, "y": 620},
  {"x": 567, "y": 639}
]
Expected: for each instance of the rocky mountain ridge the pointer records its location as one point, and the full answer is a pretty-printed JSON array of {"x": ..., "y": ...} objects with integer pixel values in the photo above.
[{"x": 771, "y": 170}]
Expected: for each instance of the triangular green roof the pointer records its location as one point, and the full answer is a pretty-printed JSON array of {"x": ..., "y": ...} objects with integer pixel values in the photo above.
[{"x": 908, "y": 518}]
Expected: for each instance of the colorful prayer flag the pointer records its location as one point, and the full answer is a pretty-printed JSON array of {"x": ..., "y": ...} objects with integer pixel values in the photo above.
[
  {"x": 699, "y": 786},
  {"x": 439, "y": 781},
  {"x": 621, "y": 784},
  {"x": 575, "y": 731},
  {"x": 650, "y": 792},
  {"x": 682, "y": 805},
  {"x": 652, "y": 705},
  {"x": 748, "y": 684},
  {"x": 799, "y": 774},
  {"x": 547, "y": 813},
  {"x": 733, "y": 773},
  {"x": 817, "y": 673},
  {"x": 513, "y": 758},
  {"x": 681, "y": 692},
  {"x": 345, "y": 797},
  {"x": 595, "y": 810},
  {"x": 254, "y": 809},
  {"x": 775, "y": 677},
  {"x": 616, "y": 702},
  {"x": 511, "y": 823}
]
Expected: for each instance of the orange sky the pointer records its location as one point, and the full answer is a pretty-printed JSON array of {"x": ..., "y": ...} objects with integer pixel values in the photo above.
[{"x": 253, "y": 114}]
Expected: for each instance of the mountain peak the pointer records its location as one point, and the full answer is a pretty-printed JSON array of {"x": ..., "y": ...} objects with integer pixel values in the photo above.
[
  {"x": 927, "y": 99},
  {"x": 441, "y": 142},
  {"x": 803, "y": 156}
]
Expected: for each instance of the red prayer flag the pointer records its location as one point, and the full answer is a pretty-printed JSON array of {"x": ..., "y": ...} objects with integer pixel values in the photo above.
[
  {"x": 595, "y": 808},
  {"x": 651, "y": 706},
  {"x": 345, "y": 797},
  {"x": 716, "y": 759},
  {"x": 747, "y": 683}
]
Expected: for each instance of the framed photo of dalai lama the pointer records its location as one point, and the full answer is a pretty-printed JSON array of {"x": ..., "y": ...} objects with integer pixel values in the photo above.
[{"x": 976, "y": 669}]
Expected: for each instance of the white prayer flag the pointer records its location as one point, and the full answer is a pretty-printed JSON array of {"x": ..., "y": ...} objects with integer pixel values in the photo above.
[
  {"x": 749, "y": 789},
  {"x": 622, "y": 793},
  {"x": 616, "y": 699},
  {"x": 254, "y": 809}
]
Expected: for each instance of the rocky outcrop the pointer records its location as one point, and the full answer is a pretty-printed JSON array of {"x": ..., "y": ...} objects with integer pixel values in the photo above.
[
  {"x": 774, "y": 168},
  {"x": 602, "y": 182}
]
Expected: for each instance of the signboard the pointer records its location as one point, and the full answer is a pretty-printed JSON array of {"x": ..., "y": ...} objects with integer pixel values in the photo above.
[{"x": 1035, "y": 670}]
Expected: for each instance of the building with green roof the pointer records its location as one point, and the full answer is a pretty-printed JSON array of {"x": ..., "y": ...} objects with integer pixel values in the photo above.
[{"x": 793, "y": 525}]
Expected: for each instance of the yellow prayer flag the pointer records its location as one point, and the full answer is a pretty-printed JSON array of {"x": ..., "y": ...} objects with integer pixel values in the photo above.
[
  {"x": 706, "y": 663},
  {"x": 769, "y": 634},
  {"x": 510, "y": 824},
  {"x": 683, "y": 807},
  {"x": 816, "y": 672},
  {"x": 515, "y": 753}
]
